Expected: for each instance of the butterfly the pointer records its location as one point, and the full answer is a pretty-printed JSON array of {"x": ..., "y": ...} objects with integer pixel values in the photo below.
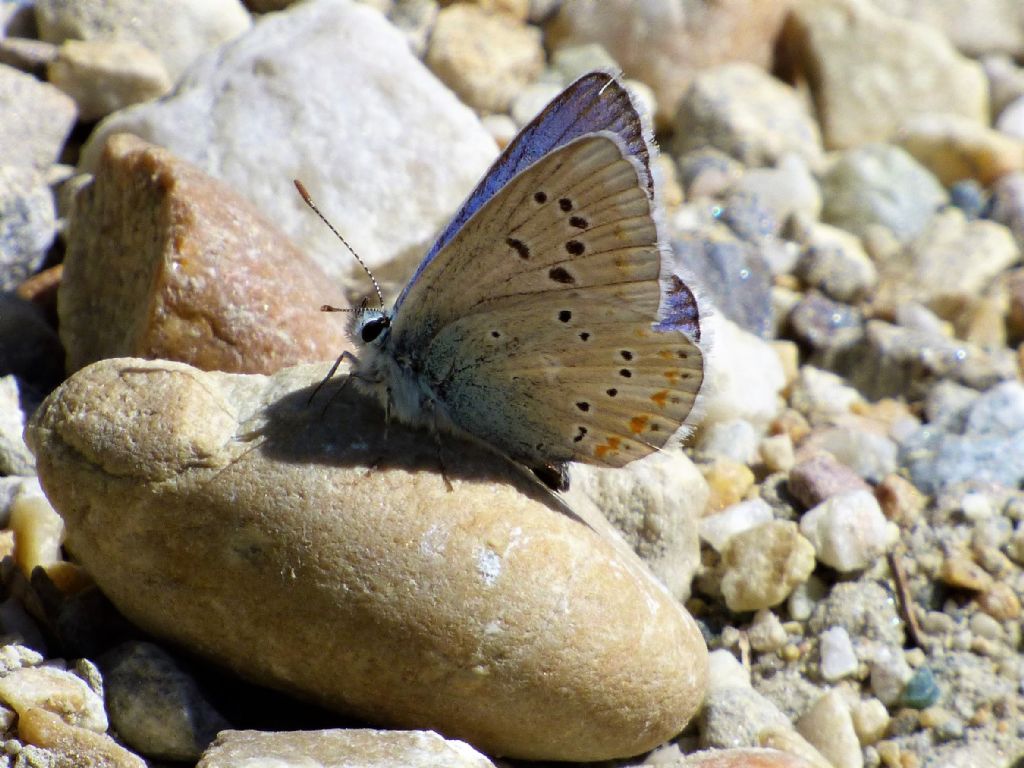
[{"x": 540, "y": 323}]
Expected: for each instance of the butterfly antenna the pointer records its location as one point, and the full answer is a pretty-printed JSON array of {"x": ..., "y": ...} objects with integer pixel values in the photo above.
[{"x": 309, "y": 201}]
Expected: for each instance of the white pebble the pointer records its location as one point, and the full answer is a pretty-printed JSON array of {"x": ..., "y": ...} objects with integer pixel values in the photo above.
[
  {"x": 735, "y": 439},
  {"x": 717, "y": 529},
  {"x": 804, "y": 597},
  {"x": 848, "y": 531},
  {"x": 889, "y": 675},
  {"x": 838, "y": 659},
  {"x": 870, "y": 720},
  {"x": 766, "y": 633}
]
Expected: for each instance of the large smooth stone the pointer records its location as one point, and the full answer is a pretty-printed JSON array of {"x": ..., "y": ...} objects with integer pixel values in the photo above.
[{"x": 228, "y": 514}]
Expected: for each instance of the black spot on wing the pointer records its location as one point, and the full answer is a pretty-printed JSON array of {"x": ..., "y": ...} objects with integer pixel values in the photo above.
[
  {"x": 561, "y": 275},
  {"x": 565, "y": 315},
  {"x": 575, "y": 248},
  {"x": 519, "y": 247}
]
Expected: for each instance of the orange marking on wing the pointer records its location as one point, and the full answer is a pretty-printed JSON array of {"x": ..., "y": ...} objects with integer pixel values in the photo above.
[
  {"x": 638, "y": 423},
  {"x": 660, "y": 398},
  {"x": 672, "y": 376},
  {"x": 611, "y": 445},
  {"x": 666, "y": 354}
]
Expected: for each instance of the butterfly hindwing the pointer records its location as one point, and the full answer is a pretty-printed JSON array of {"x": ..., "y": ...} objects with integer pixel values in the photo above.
[{"x": 539, "y": 300}]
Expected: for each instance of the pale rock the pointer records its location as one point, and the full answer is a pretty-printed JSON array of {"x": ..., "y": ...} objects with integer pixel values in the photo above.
[
  {"x": 57, "y": 691},
  {"x": 745, "y": 112},
  {"x": 776, "y": 453},
  {"x": 340, "y": 748},
  {"x": 387, "y": 195},
  {"x": 501, "y": 127},
  {"x": 805, "y": 598},
  {"x": 105, "y": 76},
  {"x": 655, "y": 504},
  {"x": 573, "y": 61},
  {"x": 869, "y": 72},
  {"x": 848, "y": 531},
  {"x": 1005, "y": 81},
  {"x": 745, "y": 757},
  {"x": 61, "y": 744},
  {"x": 37, "y": 119},
  {"x": 15, "y": 457},
  {"x": 666, "y": 43},
  {"x": 28, "y": 222},
  {"x": 889, "y": 674},
  {"x": 766, "y": 633},
  {"x": 788, "y": 189},
  {"x": 735, "y": 715},
  {"x": 822, "y": 395},
  {"x": 201, "y": 277},
  {"x": 743, "y": 377},
  {"x": 1011, "y": 119},
  {"x": 954, "y": 148},
  {"x": 224, "y": 514},
  {"x": 870, "y": 720},
  {"x": 718, "y": 528},
  {"x": 177, "y": 32},
  {"x": 762, "y": 565},
  {"x": 736, "y": 438},
  {"x": 819, "y": 476},
  {"x": 869, "y": 454},
  {"x": 838, "y": 659},
  {"x": 834, "y": 261},
  {"x": 991, "y": 27},
  {"x": 485, "y": 57},
  {"x": 38, "y": 532},
  {"x": 828, "y": 726}
]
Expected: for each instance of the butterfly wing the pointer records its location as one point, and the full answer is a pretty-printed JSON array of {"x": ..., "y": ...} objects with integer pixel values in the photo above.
[
  {"x": 594, "y": 102},
  {"x": 548, "y": 297}
]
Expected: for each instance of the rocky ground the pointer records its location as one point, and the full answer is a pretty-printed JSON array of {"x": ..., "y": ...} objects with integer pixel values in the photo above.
[{"x": 829, "y": 574}]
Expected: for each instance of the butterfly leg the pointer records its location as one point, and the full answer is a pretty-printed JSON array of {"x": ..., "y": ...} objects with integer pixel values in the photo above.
[
  {"x": 436, "y": 432},
  {"x": 346, "y": 355}
]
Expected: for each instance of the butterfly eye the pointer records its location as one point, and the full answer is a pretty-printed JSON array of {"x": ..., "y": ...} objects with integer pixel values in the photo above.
[{"x": 373, "y": 328}]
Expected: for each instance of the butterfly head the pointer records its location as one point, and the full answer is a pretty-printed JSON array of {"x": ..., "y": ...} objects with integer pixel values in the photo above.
[{"x": 370, "y": 326}]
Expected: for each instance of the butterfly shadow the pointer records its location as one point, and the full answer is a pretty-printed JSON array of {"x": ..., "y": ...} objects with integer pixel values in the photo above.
[{"x": 342, "y": 427}]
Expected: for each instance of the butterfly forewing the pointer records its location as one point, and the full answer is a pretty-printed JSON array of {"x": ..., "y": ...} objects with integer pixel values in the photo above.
[{"x": 547, "y": 298}]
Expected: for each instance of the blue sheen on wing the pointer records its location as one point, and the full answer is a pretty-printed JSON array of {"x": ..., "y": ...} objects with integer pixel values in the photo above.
[
  {"x": 679, "y": 310},
  {"x": 595, "y": 102}
]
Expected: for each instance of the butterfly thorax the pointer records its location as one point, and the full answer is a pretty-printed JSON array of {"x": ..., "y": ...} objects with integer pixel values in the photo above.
[{"x": 393, "y": 379}]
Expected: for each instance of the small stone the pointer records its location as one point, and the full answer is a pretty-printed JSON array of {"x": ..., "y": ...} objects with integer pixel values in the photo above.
[
  {"x": 155, "y": 707},
  {"x": 746, "y": 757},
  {"x": 202, "y": 277},
  {"x": 878, "y": 184},
  {"x": 921, "y": 690},
  {"x": 502, "y": 128},
  {"x": 57, "y": 691},
  {"x": 25, "y": 54},
  {"x": 177, "y": 34},
  {"x": 954, "y": 148},
  {"x": 1007, "y": 206},
  {"x": 708, "y": 172},
  {"x": 28, "y": 221},
  {"x": 38, "y": 532},
  {"x": 1005, "y": 81},
  {"x": 820, "y": 477},
  {"x": 761, "y": 566},
  {"x": 734, "y": 274},
  {"x": 486, "y": 58},
  {"x": 654, "y": 503},
  {"x": 900, "y": 501},
  {"x": 788, "y": 189},
  {"x": 870, "y": 720},
  {"x": 975, "y": 251},
  {"x": 869, "y": 72},
  {"x": 889, "y": 675},
  {"x": 184, "y": 482},
  {"x": 833, "y": 261},
  {"x": 72, "y": 745},
  {"x": 985, "y": 627},
  {"x": 340, "y": 748},
  {"x": 776, "y": 453},
  {"x": 736, "y": 439},
  {"x": 1011, "y": 119},
  {"x": 105, "y": 76},
  {"x": 746, "y": 113},
  {"x": 728, "y": 482},
  {"x": 15, "y": 457},
  {"x": 747, "y": 380},
  {"x": 37, "y": 119},
  {"x": 805, "y": 598},
  {"x": 666, "y": 45},
  {"x": 848, "y": 531},
  {"x": 828, "y": 327},
  {"x": 821, "y": 395},
  {"x": 717, "y": 529},
  {"x": 838, "y": 659},
  {"x": 860, "y": 447},
  {"x": 829, "y": 727},
  {"x": 970, "y": 197},
  {"x": 573, "y": 61},
  {"x": 1000, "y": 602},
  {"x": 766, "y": 633}
]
